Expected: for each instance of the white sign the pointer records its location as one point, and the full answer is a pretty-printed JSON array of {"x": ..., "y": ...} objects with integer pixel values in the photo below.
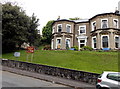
[{"x": 17, "y": 54}]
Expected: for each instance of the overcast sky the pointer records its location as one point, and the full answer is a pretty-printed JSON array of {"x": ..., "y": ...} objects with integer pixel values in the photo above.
[{"x": 47, "y": 10}]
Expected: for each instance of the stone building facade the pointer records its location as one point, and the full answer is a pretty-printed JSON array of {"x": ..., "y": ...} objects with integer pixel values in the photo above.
[{"x": 100, "y": 31}]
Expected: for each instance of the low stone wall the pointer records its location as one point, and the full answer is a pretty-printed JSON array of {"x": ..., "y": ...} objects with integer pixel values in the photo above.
[{"x": 87, "y": 77}]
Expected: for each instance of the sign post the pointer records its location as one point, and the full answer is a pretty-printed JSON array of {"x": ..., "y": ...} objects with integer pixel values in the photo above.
[{"x": 30, "y": 51}]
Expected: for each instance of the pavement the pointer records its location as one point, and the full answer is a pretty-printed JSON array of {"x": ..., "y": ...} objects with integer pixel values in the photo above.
[
  {"x": 57, "y": 80},
  {"x": 15, "y": 80}
]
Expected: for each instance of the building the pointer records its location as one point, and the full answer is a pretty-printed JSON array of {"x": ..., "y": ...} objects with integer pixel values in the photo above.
[{"x": 100, "y": 31}]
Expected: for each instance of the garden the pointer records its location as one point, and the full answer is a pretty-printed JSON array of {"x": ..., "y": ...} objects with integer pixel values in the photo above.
[{"x": 89, "y": 61}]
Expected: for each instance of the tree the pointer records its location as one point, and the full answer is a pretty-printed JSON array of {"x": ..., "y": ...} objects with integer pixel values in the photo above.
[
  {"x": 47, "y": 32},
  {"x": 33, "y": 37},
  {"x": 16, "y": 25}
]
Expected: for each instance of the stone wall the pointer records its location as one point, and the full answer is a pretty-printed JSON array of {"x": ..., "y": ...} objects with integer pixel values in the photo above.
[{"x": 87, "y": 77}]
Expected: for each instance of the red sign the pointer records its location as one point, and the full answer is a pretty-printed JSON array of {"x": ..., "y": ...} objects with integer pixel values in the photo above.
[{"x": 30, "y": 50}]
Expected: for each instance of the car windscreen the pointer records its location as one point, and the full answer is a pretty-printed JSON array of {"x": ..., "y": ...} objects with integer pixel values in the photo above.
[{"x": 114, "y": 76}]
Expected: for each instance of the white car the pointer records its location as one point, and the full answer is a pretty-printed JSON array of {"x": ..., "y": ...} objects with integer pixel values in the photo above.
[{"x": 108, "y": 80}]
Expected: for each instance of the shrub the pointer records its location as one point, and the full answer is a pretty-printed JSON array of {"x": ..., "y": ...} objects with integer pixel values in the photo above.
[
  {"x": 47, "y": 47},
  {"x": 114, "y": 50},
  {"x": 75, "y": 47},
  {"x": 87, "y": 48},
  {"x": 100, "y": 50}
]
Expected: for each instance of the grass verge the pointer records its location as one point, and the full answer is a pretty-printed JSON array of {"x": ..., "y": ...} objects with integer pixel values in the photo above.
[{"x": 89, "y": 61}]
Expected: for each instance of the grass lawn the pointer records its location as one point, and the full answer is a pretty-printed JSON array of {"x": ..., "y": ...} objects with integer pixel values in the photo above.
[{"x": 89, "y": 61}]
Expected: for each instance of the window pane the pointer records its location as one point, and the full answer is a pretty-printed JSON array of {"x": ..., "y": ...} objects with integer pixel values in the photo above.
[
  {"x": 94, "y": 45},
  {"x": 116, "y": 42},
  {"x": 59, "y": 28},
  {"x": 82, "y": 41},
  {"x": 94, "y": 42},
  {"x": 67, "y": 43},
  {"x": 105, "y": 41},
  {"x": 115, "y": 23},
  {"x": 114, "y": 76},
  {"x": 82, "y": 30},
  {"x": 117, "y": 39},
  {"x": 68, "y": 29},
  {"x": 116, "y": 45},
  {"x": 104, "y": 23},
  {"x": 58, "y": 41},
  {"x": 94, "y": 26},
  {"x": 82, "y": 45}
]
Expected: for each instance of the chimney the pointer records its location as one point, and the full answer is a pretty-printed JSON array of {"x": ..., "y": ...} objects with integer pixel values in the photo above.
[
  {"x": 116, "y": 11},
  {"x": 58, "y": 18},
  {"x": 119, "y": 7}
]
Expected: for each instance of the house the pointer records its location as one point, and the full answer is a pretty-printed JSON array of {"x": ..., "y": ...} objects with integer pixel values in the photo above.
[{"x": 100, "y": 31}]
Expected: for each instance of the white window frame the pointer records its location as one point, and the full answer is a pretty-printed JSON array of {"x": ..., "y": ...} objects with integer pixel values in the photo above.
[
  {"x": 70, "y": 41},
  {"x": 117, "y": 23},
  {"x": 53, "y": 29},
  {"x": 82, "y": 43},
  {"x": 93, "y": 42},
  {"x": 70, "y": 27},
  {"x": 102, "y": 24},
  {"x": 57, "y": 27},
  {"x": 108, "y": 41},
  {"x": 118, "y": 43},
  {"x": 56, "y": 41},
  {"x": 80, "y": 27},
  {"x": 92, "y": 25}
]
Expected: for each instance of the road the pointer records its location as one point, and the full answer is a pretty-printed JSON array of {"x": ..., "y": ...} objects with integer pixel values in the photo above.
[{"x": 15, "y": 80}]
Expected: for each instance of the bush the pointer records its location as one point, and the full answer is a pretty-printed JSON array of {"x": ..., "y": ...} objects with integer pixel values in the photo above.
[
  {"x": 75, "y": 47},
  {"x": 87, "y": 48},
  {"x": 100, "y": 50},
  {"x": 47, "y": 47},
  {"x": 115, "y": 50}
]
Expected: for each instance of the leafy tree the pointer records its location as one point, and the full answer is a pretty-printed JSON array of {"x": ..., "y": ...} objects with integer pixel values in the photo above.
[
  {"x": 16, "y": 25},
  {"x": 47, "y": 32},
  {"x": 33, "y": 37}
]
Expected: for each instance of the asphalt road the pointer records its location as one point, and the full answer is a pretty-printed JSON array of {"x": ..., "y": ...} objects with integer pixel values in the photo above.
[{"x": 15, "y": 80}]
